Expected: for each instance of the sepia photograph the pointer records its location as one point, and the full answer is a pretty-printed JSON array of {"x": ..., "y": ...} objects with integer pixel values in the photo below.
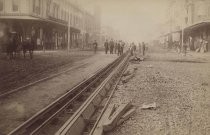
[{"x": 104, "y": 67}]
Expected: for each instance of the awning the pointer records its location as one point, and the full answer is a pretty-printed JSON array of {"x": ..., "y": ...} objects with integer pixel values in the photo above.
[
  {"x": 64, "y": 25},
  {"x": 30, "y": 17},
  {"x": 197, "y": 25}
]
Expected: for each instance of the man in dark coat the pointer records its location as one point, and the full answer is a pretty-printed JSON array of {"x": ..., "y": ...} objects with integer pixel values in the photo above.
[
  {"x": 106, "y": 46},
  {"x": 95, "y": 46},
  {"x": 122, "y": 47},
  {"x": 111, "y": 45},
  {"x": 143, "y": 48},
  {"x": 115, "y": 47},
  {"x": 119, "y": 48},
  {"x": 140, "y": 48}
]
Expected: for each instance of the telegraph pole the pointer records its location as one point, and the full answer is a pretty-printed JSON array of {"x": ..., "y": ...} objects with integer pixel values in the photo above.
[{"x": 182, "y": 35}]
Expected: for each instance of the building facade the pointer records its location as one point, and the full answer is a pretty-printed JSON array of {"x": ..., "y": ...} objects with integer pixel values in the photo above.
[
  {"x": 189, "y": 20},
  {"x": 197, "y": 29},
  {"x": 176, "y": 14},
  {"x": 56, "y": 24}
]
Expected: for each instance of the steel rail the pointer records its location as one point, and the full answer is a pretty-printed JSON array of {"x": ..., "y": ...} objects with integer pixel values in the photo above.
[
  {"x": 92, "y": 131},
  {"x": 93, "y": 82},
  {"x": 43, "y": 117},
  {"x": 78, "y": 122},
  {"x": 4, "y": 94}
]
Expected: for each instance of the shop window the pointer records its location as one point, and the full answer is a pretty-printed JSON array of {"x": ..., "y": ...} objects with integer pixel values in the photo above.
[{"x": 15, "y": 6}]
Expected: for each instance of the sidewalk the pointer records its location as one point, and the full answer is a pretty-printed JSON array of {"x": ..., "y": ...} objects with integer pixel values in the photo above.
[{"x": 206, "y": 54}]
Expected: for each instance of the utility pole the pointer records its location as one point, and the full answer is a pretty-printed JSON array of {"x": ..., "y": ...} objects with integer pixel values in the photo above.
[
  {"x": 182, "y": 36},
  {"x": 184, "y": 21}
]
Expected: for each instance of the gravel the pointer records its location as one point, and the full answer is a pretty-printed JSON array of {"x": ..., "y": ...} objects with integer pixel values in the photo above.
[{"x": 180, "y": 88}]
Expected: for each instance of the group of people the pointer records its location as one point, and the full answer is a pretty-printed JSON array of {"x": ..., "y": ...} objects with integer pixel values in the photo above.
[
  {"x": 117, "y": 47},
  {"x": 142, "y": 48},
  {"x": 114, "y": 47}
]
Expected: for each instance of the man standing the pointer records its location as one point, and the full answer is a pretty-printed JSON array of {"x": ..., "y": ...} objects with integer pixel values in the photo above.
[
  {"x": 119, "y": 48},
  {"x": 111, "y": 45},
  {"x": 185, "y": 48},
  {"x": 106, "y": 46},
  {"x": 115, "y": 47},
  {"x": 143, "y": 48},
  {"x": 132, "y": 48},
  {"x": 95, "y": 46},
  {"x": 139, "y": 48},
  {"x": 122, "y": 47}
]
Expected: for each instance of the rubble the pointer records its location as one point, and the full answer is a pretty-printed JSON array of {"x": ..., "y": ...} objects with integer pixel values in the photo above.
[
  {"x": 129, "y": 74},
  {"x": 149, "y": 106},
  {"x": 179, "y": 90},
  {"x": 204, "y": 84},
  {"x": 136, "y": 59},
  {"x": 149, "y": 66},
  {"x": 114, "y": 116}
]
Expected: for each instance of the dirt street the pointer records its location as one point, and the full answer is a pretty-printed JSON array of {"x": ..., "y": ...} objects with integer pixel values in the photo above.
[
  {"x": 19, "y": 72},
  {"x": 19, "y": 106},
  {"x": 178, "y": 85}
]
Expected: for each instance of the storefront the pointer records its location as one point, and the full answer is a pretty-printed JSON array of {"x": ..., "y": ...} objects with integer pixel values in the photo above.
[
  {"x": 49, "y": 34},
  {"x": 75, "y": 38},
  {"x": 198, "y": 35}
]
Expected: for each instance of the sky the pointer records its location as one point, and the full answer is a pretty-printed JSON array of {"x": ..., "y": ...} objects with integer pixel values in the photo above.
[{"x": 137, "y": 20}]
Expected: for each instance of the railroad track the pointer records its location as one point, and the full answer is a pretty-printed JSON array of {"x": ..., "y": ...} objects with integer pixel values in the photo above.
[
  {"x": 4, "y": 94},
  {"x": 77, "y": 111}
]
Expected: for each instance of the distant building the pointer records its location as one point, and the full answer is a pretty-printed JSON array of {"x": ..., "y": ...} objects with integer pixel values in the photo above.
[
  {"x": 191, "y": 16},
  {"x": 176, "y": 14},
  {"x": 48, "y": 20},
  {"x": 198, "y": 23}
]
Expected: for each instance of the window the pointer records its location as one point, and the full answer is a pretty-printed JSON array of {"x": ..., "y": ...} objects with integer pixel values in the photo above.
[
  {"x": 209, "y": 11},
  {"x": 1, "y": 5},
  {"x": 65, "y": 16},
  {"x": 71, "y": 19},
  {"x": 36, "y": 6},
  {"x": 55, "y": 10},
  {"x": 15, "y": 5}
]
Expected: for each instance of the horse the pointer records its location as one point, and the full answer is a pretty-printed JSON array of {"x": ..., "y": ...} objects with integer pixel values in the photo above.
[
  {"x": 12, "y": 45},
  {"x": 28, "y": 45}
]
